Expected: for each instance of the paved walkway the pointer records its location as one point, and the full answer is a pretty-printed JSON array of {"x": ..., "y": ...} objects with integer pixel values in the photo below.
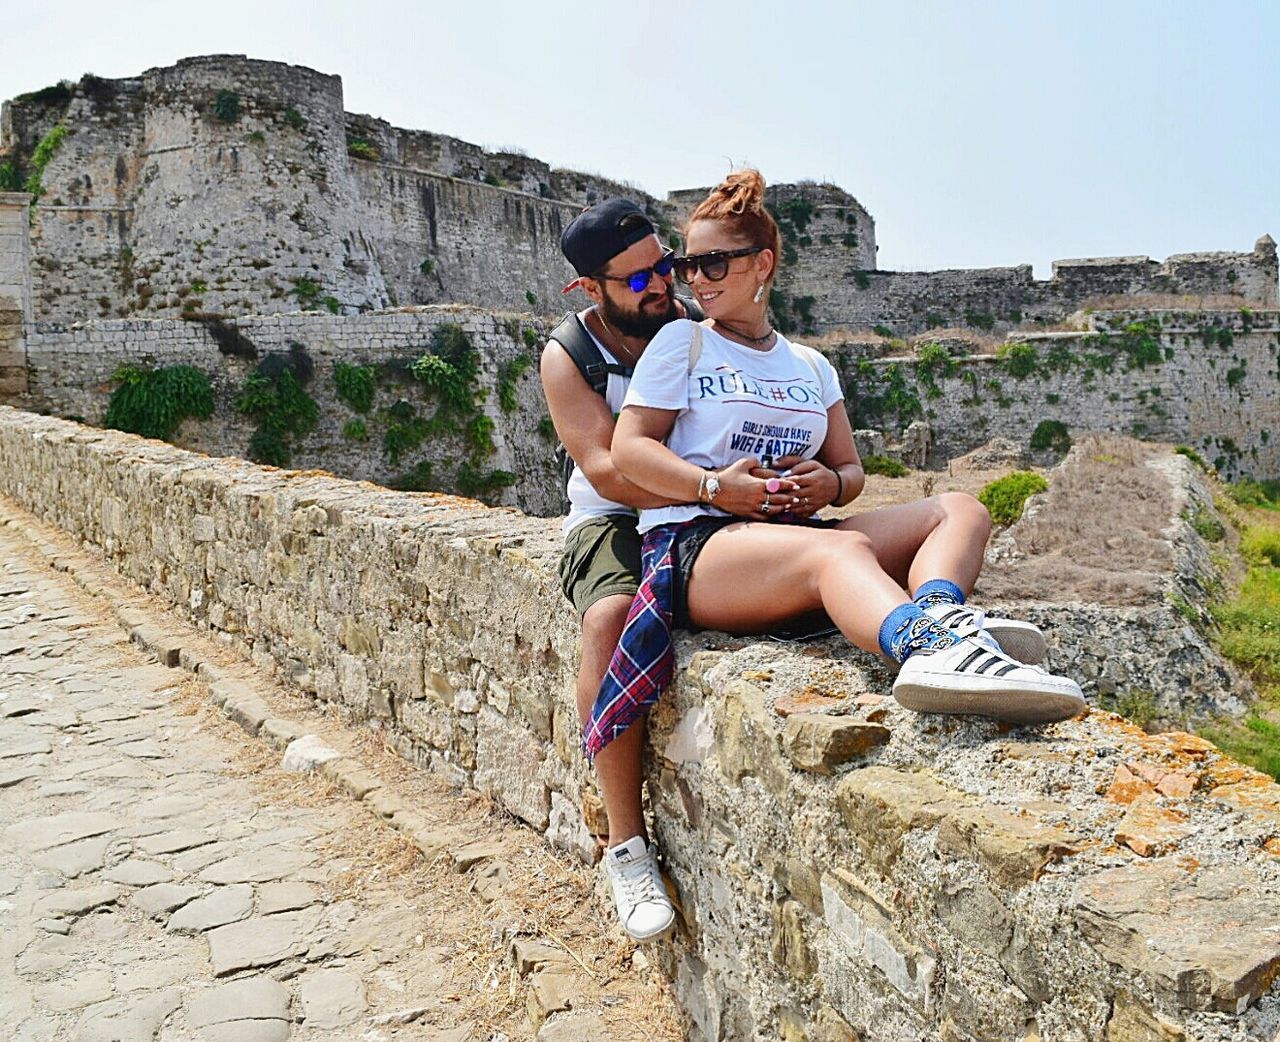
[{"x": 162, "y": 878}]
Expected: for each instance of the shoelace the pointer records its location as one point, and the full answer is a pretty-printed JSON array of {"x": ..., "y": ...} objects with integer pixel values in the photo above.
[{"x": 639, "y": 880}]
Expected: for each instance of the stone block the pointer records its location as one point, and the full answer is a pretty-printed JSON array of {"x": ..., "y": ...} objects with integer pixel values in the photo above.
[
  {"x": 248, "y": 711},
  {"x": 789, "y": 946},
  {"x": 880, "y": 805},
  {"x": 1204, "y": 938},
  {"x": 351, "y": 777},
  {"x": 747, "y": 742},
  {"x": 867, "y": 936},
  {"x": 829, "y": 1026},
  {"x": 305, "y": 754},
  {"x": 1149, "y": 829},
  {"x": 279, "y": 732},
  {"x": 820, "y": 743},
  {"x": 1013, "y": 849},
  {"x": 550, "y": 991},
  {"x": 509, "y": 768},
  {"x": 1132, "y": 1020}
]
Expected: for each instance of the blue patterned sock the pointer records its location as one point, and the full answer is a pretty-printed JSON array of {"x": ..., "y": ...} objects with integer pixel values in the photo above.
[
  {"x": 907, "y": 629},
  {"x": 938, "y": 591}
]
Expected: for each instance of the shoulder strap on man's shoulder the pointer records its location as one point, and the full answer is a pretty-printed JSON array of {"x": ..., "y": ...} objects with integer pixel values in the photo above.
[{"x": 581, "y": 346}]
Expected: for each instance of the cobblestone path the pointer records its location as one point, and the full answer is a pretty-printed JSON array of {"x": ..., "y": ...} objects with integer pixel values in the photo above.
[{"x": 162, "y": 878}]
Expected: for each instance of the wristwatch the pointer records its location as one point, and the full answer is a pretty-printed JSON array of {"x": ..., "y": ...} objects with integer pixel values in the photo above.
[{"x": 713, "y": 485}]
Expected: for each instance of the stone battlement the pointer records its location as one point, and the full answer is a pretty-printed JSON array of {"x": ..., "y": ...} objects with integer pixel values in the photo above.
[
  {"x": 242, "y": 186},
  {"x": 845, "y": 869}
]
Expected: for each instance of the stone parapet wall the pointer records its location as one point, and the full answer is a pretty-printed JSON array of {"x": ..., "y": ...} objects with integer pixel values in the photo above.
[
  {"x": 1212, "y": 382},
  {"x": 845, "y": 869},
  {"x": 71, "y": 372},
  {"x": 1003, "y": 299}
]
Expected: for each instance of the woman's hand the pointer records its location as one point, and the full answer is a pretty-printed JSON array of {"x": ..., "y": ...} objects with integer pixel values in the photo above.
[
  {"x": 744, "y": 491},
  {"x": 816, "y": 485}
]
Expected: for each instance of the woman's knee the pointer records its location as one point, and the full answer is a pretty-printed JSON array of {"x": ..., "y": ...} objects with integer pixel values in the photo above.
[
  {"x": 967, "y": 509},
  {"x": 844, "y": 544}
]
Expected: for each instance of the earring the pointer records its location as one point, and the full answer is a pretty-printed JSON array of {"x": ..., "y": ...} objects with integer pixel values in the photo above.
[{"x": 759, "y": 294}]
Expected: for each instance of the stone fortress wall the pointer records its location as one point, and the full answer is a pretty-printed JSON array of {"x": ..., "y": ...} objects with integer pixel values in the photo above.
[
  {"x": 156, "y": 204},
  {"x": 844, "y": 869}
]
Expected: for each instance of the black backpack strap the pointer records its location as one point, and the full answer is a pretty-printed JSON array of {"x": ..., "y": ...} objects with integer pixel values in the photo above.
[
  {"x": 581, "y": 346},
  {"x": 692, "y": 309}
]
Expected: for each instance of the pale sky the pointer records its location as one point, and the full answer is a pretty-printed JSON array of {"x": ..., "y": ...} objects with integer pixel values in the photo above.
[{"x": 976, "y": 133}]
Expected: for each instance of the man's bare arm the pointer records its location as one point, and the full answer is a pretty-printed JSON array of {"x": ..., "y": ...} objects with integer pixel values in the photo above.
[{"x": 584, "y": 423}]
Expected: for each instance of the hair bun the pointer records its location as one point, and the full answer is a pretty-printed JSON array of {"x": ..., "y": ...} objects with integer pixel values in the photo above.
[{"x": 741, "y": 192}]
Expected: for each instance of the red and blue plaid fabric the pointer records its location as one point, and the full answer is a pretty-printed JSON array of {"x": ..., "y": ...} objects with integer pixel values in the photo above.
[{"x": 644, "y": 659}]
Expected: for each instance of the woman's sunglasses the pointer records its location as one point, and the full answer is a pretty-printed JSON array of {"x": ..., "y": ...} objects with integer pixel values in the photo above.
[
  {"x": 714, "y": 265},
  {"x": 639, "y": 280}
]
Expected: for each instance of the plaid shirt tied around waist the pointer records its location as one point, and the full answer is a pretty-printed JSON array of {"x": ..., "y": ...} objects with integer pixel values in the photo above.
[{"x": 644, "y": 660}]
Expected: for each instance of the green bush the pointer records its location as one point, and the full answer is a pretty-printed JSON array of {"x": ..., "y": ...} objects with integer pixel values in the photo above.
[
  {"x": 274, "y": 395},
  {"x": 1020, "y": 359},
  {"x": 427, "y": 266},
  {"x": 362, "y": 149},
  {"x": 154, "y": 402},
  {"x": 355, "y": 385},
  {"x": 10, "y": 177},
  {"x": 1005, "y": 497},
  {"x": 884, "y": 465},
  {"x": 530, "y": 336},
  {"x": 295, "y": 119},
  {"x": 226, "y": 106},
  {"x": 1051, "y": 435},
  {"x": 355, "y": 430}
]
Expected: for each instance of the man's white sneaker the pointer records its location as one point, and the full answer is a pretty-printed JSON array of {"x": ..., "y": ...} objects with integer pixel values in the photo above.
[
  {"x": 638, "y": 891},
  {"x": 972, "y": 678},
  {"x": 1019, "y": 640}
]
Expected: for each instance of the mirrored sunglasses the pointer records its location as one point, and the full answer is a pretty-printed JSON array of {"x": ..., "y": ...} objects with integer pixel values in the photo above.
[{"x": 638, "y": 281}]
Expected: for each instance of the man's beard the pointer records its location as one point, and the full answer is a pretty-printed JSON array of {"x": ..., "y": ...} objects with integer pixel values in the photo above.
[{"x": 638, "y": 322}]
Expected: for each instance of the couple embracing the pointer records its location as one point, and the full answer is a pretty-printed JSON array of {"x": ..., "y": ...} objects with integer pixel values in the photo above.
[{"x": 698, "y": 506}]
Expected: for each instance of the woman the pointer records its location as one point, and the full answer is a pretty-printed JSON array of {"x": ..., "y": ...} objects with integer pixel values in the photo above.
[{"x": 750, "y": 432}]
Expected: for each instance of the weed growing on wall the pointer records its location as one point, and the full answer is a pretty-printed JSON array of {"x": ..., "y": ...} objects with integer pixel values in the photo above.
[
  {"x": 355, "y": 430},
  {"x": 274, "y": 394},
  {"x": 226, "y": 106},
  {"x": 1006, "y": 497},
  {"x": 10, "y": 177},
  {"x": 509, "y": 374},
  {"x": 154, "y": 402},
  {"x": 1020, "y": 360},
  {"x": 41, "y": 158},
  {"x": 295, "y": 119},
  {"x": 355, "y": 385},
  {"x": 933, "y": 363},
  {"x": 359, "y": 148},
  {"x": 877, "y": 398},
  {"x": 1192, "y": 455}
]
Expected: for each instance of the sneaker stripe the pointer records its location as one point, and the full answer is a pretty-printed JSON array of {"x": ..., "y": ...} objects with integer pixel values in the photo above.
[
  {"x": 994, "y": 660},
  {"x": 953, "y": 618},
  {"x": 1009, "y": 668},
  {"x": 972, "y": 657}
]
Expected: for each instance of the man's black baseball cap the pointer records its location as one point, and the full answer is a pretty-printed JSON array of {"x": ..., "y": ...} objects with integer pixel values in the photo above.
[{"x": 601, "y": 232}]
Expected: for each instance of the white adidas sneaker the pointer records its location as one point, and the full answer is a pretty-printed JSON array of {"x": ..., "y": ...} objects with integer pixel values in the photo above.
[
  {"x": 1020, "y": 640},
  {"x": 972, "y": 678},
  {"x": 638, "y": 890}
]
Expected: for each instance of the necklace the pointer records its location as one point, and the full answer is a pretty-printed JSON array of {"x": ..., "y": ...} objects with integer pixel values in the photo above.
[
  {"x": 615, "y": 341},
  {"x": 746, "y": 336}
]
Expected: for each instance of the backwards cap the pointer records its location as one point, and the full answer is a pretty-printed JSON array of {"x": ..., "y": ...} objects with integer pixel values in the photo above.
[{"x": 601, "y": 232}]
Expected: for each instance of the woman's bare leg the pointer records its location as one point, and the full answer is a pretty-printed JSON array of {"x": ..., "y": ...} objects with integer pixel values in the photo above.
[
  {"x": 751, "y": 576},
  {"x": 942, "y": 537}
]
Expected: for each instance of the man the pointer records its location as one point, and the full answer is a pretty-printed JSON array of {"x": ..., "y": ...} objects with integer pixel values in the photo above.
[{"x": 626, "y": 272}]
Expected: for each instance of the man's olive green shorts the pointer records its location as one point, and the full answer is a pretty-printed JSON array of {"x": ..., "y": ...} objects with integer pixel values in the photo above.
[{"x": 601, "y": 559}]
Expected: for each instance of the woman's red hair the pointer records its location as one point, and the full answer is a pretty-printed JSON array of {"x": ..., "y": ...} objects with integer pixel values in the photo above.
[{"x": 737, "y": 202}]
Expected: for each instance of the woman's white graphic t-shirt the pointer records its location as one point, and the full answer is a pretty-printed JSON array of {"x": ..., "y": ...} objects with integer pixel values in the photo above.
[
  {"x": 736, "y": 402},
  {"x": 584, "y": 500}
]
